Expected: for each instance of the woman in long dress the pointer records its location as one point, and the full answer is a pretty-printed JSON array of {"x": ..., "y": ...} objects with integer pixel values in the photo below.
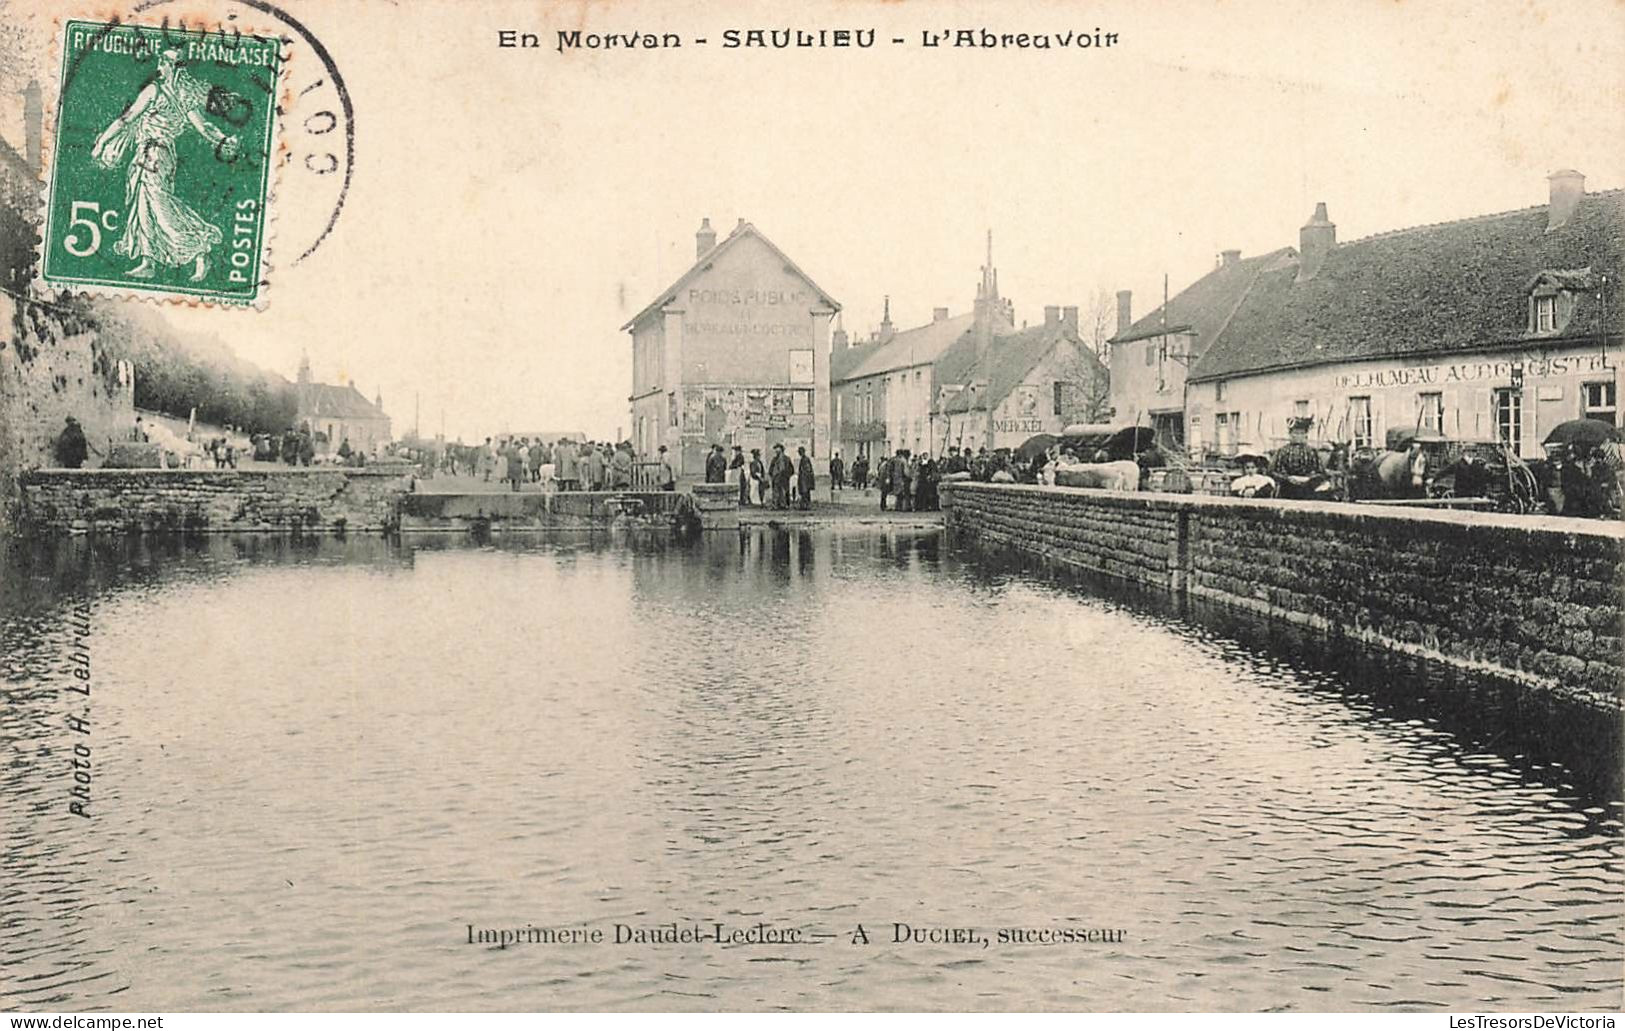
[{"x": 158, "y": 225}]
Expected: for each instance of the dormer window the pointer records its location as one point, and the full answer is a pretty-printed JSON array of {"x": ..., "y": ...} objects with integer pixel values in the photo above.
[
  {"x": 1545, "y": 313},
  {"x": 1552, "y": 296}
]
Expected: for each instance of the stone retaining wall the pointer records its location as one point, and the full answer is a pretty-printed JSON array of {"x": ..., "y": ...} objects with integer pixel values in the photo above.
[
  {"x": 1535, "y": 599},
  {"x": 539, "y": 510},
  {"x": 292, "y": 500}
]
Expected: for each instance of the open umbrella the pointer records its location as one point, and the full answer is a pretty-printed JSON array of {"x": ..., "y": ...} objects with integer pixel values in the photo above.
[
  {"x": 1581, "y": 431},
  {"x": 1036, "y": 445}
]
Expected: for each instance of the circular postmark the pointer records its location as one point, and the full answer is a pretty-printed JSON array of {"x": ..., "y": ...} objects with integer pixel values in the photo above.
[{"x": 317, "y": 159}]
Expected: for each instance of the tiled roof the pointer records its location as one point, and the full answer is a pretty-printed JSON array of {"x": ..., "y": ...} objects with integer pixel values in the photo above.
[
  {"x": 842, "y": 362},
  {"x": 1205, "y": 305},
  {"x": 326, "y": 401},
  {"x": 1011, "y": 356},
  {"x": 1454, "y": 286},
  {"x": 918, "y": 346},
  {"x": 741, "y": 231}
]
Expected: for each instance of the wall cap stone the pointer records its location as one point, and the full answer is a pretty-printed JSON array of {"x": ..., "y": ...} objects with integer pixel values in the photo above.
[{"x": 1599, "y": 529}]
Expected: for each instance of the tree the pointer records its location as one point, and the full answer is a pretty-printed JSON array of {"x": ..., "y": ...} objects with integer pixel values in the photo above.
[
  {"x": 1097, "y": 327},
  {"x": 1086, "y": 385}
]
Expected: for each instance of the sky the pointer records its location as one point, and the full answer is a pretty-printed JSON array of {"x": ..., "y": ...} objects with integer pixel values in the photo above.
[{"x": 509, "y": 209}]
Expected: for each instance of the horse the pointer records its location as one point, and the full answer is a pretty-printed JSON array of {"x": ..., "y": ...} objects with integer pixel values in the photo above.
[
  {"x": 1387, "y": 474},
  {"x": 1403, "y": 473},
  {"x": 1121, "y": 475}
]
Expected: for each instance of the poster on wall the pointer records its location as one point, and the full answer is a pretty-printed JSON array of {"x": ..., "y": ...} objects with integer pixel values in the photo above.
[
  {"x": 801, "y": 366},
  {"x": 801, "y": 402},
  {"x": 732, "y": 403},
  {"x": 693, "y": 412},
  {"x": 781, "y": 402}
]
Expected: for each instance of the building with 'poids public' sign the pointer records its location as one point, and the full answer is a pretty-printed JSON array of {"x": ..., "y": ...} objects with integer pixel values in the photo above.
[{"x": 736, "y": 351}]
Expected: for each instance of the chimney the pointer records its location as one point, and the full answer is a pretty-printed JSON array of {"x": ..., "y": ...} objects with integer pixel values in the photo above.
[
  {"x": 839, "y": 339},
  {"x": 1315, "y": 240},
  {"x": 939, "y": 314},
  {"x": 1568, "y": 186},
  {"x": 1124, "y": 317},
  {"x": 1230, "y": 258},
  {"x": 1052, "y": 315},
  {"x": 705, "y": 239},
  {"x": 33, "y": 118},
  {"x": 1069, "y": 317}
]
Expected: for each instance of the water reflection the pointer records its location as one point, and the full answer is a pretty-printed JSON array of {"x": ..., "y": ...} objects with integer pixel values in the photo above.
[{"x": 316, "y": 762}]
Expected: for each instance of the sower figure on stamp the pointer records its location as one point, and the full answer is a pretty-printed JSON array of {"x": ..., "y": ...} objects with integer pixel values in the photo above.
[{"x": 159, "y": 226}]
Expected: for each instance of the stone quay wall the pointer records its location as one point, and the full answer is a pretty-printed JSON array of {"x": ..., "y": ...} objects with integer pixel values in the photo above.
[
  {"x": 1537, "y": 600},
  {"x": 527, "y": 510},
  {"x": 273, "y": 500}
]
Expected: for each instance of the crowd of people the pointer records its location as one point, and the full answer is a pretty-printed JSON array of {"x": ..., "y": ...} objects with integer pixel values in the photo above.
[
  {"x": 911, "y": 481},
  {"x": 780, "y": 482},
  {"x": 560, "y": 465}
]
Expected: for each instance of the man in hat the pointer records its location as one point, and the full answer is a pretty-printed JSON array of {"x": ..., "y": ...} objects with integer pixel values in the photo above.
[
  {"x": 668, "y": 477},
  {"x": 716, "y": 466},
  {"x": 902, "y": 479},
  {"x": 738, "y": 473},
  {"x": 779, "y": 472},
  {"x": 804, "y": 479},
  {"x": 758, "y": 476},
  {"x": 71, "y": 446}
]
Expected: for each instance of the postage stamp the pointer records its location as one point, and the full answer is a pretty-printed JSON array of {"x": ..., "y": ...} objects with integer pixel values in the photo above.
[{"x": 160, "y": 170}]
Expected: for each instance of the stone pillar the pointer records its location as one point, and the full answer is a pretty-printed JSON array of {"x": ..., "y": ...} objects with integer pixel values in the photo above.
[
  {"x": 671, "y": 380},
  {"x": 823, "y": 442},
  {"x": 718, "y": 505}
]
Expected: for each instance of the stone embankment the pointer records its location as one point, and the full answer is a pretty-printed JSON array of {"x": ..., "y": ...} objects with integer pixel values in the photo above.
[
  {"x": 277, "y": 500},
  {"x": 1537, "y": 600},
  {"x": 493, "y": 511}
]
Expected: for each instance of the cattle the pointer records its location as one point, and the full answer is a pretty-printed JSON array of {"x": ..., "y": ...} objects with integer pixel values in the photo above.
[
  {"x": 1100, "y": 475},
  {"x": 169, "y": 443}
]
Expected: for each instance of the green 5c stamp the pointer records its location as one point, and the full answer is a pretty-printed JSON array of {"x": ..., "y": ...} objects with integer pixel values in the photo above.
[{"x": 160, "y": 169}]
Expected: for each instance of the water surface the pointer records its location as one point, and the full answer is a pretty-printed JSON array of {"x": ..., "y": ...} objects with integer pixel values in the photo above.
[{"x": 315, "y": 765}]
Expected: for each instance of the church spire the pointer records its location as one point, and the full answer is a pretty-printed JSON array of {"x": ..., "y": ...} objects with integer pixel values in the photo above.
[
  {"x": 990, "y": 275},
  {"x": 992, "y": 312},
  {"x": 304, "y": 368}
]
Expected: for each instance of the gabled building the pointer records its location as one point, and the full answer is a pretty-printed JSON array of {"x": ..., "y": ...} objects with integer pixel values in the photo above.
[
  {"x": 339, "y": 413},
  {"x": 890, "y": 389},
  {"x": 1151, "y": 357},
  {"x": 736, "y": 351},
  {"x": 883, "y": 389},
  {"x": 1017, "y": 384},
  {"x": 1497, "y": 327},
  {"x": 970, "y": 380}
]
